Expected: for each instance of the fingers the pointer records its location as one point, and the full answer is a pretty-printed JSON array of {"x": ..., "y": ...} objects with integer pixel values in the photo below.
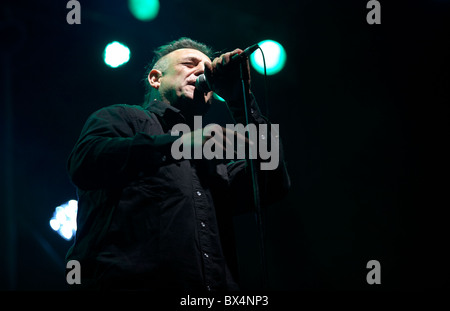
[
  {"x": 223, "y": 139},
  {"x": 224, "y": 59},
  {"x": 223, "y": 76},
  {"x": 222, "y": 134},
  {"x": 236, "y": 51},
  {"x": 208, "y": 70},
  {"x": 238, "y": 136}
]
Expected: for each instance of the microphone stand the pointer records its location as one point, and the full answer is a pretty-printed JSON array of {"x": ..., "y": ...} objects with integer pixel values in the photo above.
[{"x": 256, "y": 197}]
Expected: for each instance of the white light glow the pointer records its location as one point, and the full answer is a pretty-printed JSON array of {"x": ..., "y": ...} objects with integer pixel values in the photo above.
[
  {"x": 116, "y": 54},
  {"x": 64, "y": 220}
]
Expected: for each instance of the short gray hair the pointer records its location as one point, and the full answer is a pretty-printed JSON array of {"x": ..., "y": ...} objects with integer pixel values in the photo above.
[{"x": 160, "y": 64}]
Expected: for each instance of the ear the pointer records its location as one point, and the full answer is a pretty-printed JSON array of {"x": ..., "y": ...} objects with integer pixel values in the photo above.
[{"x": 154, "y": 78}]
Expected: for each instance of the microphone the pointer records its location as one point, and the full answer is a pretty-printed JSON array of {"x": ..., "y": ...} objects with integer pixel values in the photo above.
[
  {"x": 246, "y": 53},
  {"x": 203, "y": 85}
]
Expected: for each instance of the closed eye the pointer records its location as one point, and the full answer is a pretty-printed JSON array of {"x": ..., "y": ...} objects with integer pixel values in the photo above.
[
  {"x": 189, "y": 64},
  {"x": 190, "y": 61}
]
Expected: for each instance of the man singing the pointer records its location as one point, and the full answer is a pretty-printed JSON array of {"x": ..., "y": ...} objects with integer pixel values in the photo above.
[{"x": 147, "y": 221}]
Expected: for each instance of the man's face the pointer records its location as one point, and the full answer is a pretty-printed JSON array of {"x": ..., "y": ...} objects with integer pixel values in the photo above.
[{"x": 178, "y": 81}]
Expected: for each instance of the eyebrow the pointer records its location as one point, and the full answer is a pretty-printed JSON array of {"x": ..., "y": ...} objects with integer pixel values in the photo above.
[{"x": 190, "y": 58}]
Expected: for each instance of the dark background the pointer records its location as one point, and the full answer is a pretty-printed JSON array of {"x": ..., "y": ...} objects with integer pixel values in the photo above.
[{"x": 363, "y": 113}]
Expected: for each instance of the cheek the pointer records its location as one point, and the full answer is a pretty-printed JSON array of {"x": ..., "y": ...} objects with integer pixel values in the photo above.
[
  {"x": 179, "y": 84},
  {"x": 171, "y": 84},
  {"x": 168, "y": 90}
]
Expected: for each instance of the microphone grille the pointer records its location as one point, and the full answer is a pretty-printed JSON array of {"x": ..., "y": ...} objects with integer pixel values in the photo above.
[{"x": 201, "y": 84}]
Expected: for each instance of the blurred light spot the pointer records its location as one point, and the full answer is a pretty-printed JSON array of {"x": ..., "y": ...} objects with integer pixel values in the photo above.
[
  {"x": 144, "y": 10},
  {"x": 64, "y": 220},
  {"x": 274, "y": 54},
  {"x": 218, "y": 97},
  {"x": 116, "y": 54}
]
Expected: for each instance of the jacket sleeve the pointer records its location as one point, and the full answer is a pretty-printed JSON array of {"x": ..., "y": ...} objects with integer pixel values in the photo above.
[
  {"x": 273, "y": 180},
  {"x": 113, "y": 148}
]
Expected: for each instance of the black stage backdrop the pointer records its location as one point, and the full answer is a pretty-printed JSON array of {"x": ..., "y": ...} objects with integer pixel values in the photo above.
[{"x": 363, "y": 113}]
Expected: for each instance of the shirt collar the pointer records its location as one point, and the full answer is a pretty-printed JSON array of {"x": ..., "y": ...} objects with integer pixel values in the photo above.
[
  {"x": 160, "y": 108},
  {"x": 167, "y": 113}
]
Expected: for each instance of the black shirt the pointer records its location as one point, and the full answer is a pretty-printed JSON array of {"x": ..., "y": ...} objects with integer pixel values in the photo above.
[{"x": 147, "y": 221}]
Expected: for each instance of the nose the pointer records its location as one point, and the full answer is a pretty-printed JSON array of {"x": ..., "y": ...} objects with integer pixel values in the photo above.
[{"x": 199, "y": 69}]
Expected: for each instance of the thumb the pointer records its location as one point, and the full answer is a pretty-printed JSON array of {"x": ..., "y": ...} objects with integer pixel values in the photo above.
[{"x": 208, "y": 70}]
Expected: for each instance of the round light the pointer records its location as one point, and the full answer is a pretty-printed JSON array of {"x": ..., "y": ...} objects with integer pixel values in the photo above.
[
  {"x": 144, "y": 10},
  {"x": 64, "y": 220},
  {"x": 274, "y": 54},
  {"x": 116, "y": 54},
  {"x": 54, "y": 223},
  {"x": 66, "y": 232}
]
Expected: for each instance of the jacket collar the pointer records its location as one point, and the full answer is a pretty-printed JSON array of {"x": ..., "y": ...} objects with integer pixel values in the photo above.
[
  {"x": 169, "y": 115},
  {"x": 160, "y": 108}
]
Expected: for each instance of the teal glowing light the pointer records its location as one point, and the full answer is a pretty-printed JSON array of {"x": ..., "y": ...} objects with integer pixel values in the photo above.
[
  {"x": 218, "y": 97},
  {"x": 144, "y": 10},
  {"x": 116, "y": 54},
  {"x": 274, "y": 54}
]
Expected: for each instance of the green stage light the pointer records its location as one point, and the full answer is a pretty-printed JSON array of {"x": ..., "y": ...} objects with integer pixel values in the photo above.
[
  {"x": 274, "y": 54},
  {"x": 144, "y": 10},
  {"x": 218, "y": 97},
  {"x": 116, "y": 54}
]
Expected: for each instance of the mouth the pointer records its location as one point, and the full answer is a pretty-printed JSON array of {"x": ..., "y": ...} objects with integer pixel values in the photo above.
[
  {"x": 191, "y": 83},
  {"x": 191, "y": 87}
]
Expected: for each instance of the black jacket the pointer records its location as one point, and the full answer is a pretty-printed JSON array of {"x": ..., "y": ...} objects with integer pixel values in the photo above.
[{"x": 147, "y": 221}]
